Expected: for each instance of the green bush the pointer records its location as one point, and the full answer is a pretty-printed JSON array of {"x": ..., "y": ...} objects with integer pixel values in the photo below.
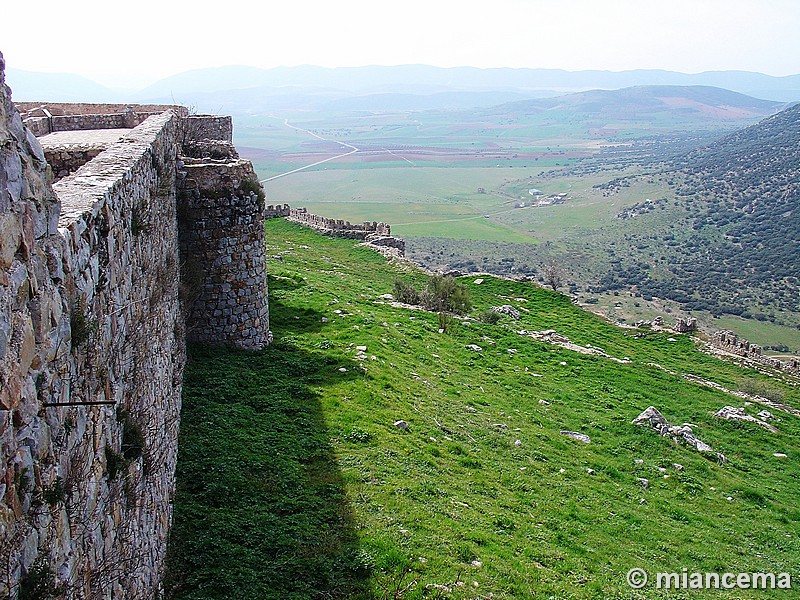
[
  {"x": 446, "y": 294},
  {"x": 405, "y": 292},
  {"x": 489, "y": 316}
]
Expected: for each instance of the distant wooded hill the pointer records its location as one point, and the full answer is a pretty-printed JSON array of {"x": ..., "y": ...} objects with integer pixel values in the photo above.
[{"x": 743, "y": 197}]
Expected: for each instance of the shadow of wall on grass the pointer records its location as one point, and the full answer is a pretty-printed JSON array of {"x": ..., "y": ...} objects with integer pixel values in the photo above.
[{"x": 260, "y": 508}]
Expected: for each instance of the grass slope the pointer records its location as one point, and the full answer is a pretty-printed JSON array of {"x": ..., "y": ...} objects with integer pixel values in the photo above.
[{"x": 294, "y": 483}]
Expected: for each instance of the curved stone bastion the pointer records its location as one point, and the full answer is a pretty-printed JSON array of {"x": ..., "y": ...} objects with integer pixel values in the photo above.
[{"x": 102, "y": 276}]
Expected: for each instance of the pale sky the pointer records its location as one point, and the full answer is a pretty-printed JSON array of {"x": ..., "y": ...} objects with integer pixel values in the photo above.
[{"x": 130, "y": 44}]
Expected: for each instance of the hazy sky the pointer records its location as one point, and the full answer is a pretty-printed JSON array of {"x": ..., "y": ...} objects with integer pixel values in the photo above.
[{"x": 139, "y": 42}]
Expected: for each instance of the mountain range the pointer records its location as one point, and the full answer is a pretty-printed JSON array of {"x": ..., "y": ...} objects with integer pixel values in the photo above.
[{"x": 238, "y": 88}]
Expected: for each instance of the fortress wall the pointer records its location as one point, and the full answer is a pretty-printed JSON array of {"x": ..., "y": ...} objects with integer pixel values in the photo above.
[
  {"x": 93, "y": 313},
  {"x": 89, "y": 313},
  {"x": 338, "y": 227},
  {"x": 733, "y": 344},
  {"x": 210, "y": 127},
  {"x": 36, "y": 109},
  {"x": 43, "y": 117},
  {"x": 221, "y": 207},
  {"x": 277, "y": 211},
  {"x": 66, "y": 160}
]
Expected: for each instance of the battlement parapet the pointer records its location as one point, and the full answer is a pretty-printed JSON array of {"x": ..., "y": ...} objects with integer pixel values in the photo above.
[
  {"x": 731, "y": 343},
  {"x": 338, "y": 227}
]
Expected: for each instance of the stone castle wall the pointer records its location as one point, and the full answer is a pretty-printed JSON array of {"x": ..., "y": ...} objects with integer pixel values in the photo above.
[
  {"x": 377, "y": 236},
  {"x": 64, "y": 161},
  {"x": 221, "y": 207},
  {"x": 93, "y": 314},
  {"x": 43, "y": 118},
  {"x": 733, "y": 344},
  {"x": 336, "y": 227}
]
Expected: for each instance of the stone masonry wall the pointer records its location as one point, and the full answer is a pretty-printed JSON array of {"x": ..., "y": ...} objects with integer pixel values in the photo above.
[
  {"x": 91, "y": 358},
  {"x": 277, "y": 211},
  {"x": 337, "y": 227},
  {"x": 64, "y": 161},
  {"x": 733, "y": 344},
  {"x": 43, "y": 118},
  {"x": 209, "y": 127},
  {"x": 93, "y": 313},
  {"x": 221, "y": 208}
]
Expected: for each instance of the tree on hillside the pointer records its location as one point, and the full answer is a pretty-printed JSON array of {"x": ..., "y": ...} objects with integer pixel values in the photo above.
[{"x": 553, "y": 274}]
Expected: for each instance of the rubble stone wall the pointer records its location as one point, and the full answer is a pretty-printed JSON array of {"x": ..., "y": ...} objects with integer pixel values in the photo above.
[
  {"x": 337, "y": 227},
  {"x": 733, "y": 344},
  {"x": 64, "y": 161},
  {"x": 92, "y": 346},
  {"x": 221, "y": 206}
]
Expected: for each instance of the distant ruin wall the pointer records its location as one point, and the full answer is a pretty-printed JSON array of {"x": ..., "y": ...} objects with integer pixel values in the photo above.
[
  {"x": 733, "y": 344},
  {"x": 337, "y": 227},
  {"x": 277, "y": 211}
]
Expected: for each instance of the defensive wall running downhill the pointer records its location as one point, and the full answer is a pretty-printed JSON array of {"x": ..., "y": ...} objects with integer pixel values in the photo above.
[
  {"x": 729, "y": 342},
  {"x": 103, "y": 277},
  {"x": 377, "y": 236}
]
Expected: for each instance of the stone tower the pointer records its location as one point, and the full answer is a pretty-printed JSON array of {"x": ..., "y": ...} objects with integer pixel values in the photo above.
[{"x": 221, "y": 230}]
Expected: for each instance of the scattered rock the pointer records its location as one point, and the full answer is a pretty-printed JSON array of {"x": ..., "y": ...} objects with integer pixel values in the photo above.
[
  {"x": 590, "y": 471},
  {"x": 518, "y": 443},
  {"x": 401, "y": 425},
  {"x": 651, "y": 416},
  {"x": 500, "y": 425},
  {"x": 659, "y": 320},
  {"x": 581, "y": 437},
  {"x": 779, "y": 455},
  {"x": 678, "y": 467},
  {"x": 544, "y": 403},
  {"x": 388, "y": 297},
  {"x": 645, "y": 483},
  {"x": 475, "y": 347},
  {"x": 732, "y": 413},
  {"x": 506, "y": 309},
  {"x": 765, "y": 415},
  {"x": 639, "y": 461},
  {"x": 476, "y": 563},
  {"x": 512, "y": 350},
  {"x": 478, "y": 281},
  {"x": 324, "y": 319},
  {"x": 563, "y": 364},
  {"x": 361, "y": 348},
  {"x": 342, "y": 370}
]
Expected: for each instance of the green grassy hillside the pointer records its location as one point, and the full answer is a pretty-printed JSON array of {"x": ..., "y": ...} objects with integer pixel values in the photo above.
[{"x": 294, "y": 482}]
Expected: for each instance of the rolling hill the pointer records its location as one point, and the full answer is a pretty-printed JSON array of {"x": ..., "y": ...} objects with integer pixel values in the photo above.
[
  {"x": 740, "y": 199},
  {"x": 295, "y": 482},
  {"x": 634, "y": 103}
]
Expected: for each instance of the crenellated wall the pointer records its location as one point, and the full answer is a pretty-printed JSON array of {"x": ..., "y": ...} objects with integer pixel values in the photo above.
[
  {"x": 733, "y": 344},
  {"x": 94, "y": 309},
  {"x": 337, "y": 227}
]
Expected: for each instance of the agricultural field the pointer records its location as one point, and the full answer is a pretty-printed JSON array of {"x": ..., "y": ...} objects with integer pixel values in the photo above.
[{"x": 456, "y": 187}]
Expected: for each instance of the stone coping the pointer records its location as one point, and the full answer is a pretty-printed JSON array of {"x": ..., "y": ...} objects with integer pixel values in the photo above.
[{"x": 82, "y": 191}]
